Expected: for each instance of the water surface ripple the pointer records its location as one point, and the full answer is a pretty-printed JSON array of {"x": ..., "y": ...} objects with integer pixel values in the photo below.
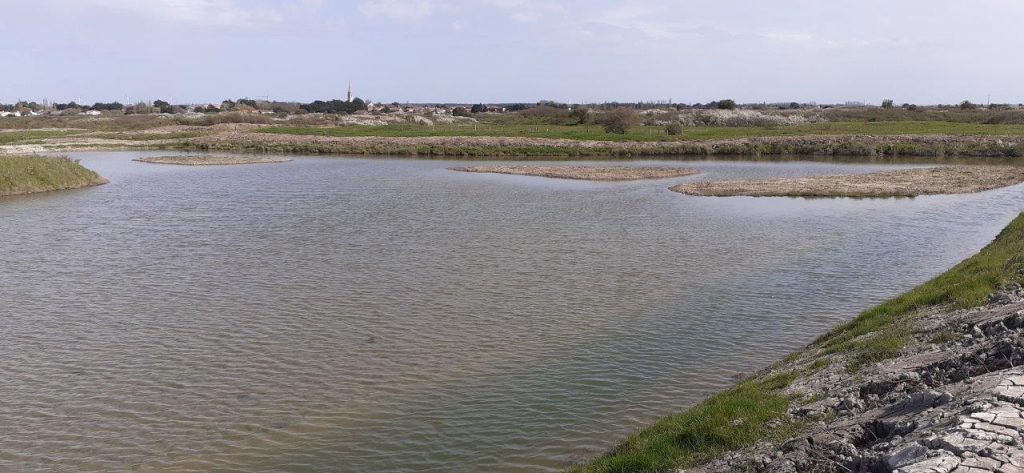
[{"x": 337, "y": 314}]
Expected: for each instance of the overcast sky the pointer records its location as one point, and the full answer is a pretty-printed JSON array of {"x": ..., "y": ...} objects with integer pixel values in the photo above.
[{"x": 918, "y": 51}]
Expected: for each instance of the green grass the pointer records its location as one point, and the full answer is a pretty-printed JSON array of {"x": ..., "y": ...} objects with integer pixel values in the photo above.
[
  {"x": 727, "y": 421},
  {"x": 28, "y": 174},
  {"x": 16, "y": 137},
  {"x": 881, "y": 332},
  {"x": 148, "y": 136},
  {"x": 657, "y": 133}
]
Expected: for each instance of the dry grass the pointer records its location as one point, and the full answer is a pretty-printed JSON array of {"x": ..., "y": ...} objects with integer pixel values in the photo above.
[
  {"x": 586, "y": 173},
  {"x": 212, "y": 160},
  {"x": 900, "y": 183}
]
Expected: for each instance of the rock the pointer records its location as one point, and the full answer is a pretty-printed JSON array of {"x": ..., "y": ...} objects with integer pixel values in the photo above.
[
  {"x": 906, "y": 455},
  {"x": 944, "y": 463}
]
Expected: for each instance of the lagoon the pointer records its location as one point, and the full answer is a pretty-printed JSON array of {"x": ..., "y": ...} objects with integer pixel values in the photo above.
[{"x": 390, "y": 315}]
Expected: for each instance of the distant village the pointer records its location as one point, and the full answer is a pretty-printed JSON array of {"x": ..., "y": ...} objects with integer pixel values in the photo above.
[{"x": 353, "y": 105}]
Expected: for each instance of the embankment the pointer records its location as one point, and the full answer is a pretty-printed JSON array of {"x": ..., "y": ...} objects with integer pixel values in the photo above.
[
  {"x": 930, "y": 381},
  {"x": 250, "y": 140},
  {"x": 31, "y": 174}
]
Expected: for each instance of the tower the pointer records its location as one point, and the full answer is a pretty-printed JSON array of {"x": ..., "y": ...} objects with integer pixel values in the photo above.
[{"x": 349, "y": 91}]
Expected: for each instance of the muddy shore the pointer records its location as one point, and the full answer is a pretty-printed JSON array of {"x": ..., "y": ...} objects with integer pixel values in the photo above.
[
  {"x": 585, "y": 173},
  {"x": 898, "y": 183},
  {"x": 211, "y": 160}
]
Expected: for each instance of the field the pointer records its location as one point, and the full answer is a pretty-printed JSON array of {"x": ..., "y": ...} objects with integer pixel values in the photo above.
[
  {"x": 657, "y": 133},
  {"x": 543, "y": 132}
]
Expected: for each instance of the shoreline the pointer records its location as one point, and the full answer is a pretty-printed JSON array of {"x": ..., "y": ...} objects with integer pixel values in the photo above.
[
  {"x": 862, "y": 146},
  {"x": 942, "y": 180},
  {"x": 252, "y": 139},
  {"x": 211, "y": 160},
  {"x": 926, "y": 381},
  {"x": 585, "y": 173}
]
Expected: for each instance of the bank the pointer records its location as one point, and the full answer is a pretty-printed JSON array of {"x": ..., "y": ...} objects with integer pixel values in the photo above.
[
  {"x": 250, "y": 139},
  {"x": 31, "y": 174},
  {"x": 927, "y": 381}
]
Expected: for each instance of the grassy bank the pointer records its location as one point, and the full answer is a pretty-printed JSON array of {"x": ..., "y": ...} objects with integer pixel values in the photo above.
[
  {"x": 859, "y": 146},
  {"x": 30, "y": 174},
  {"x": 755, "y": 410},
  {"x": 856, "y": 134}
]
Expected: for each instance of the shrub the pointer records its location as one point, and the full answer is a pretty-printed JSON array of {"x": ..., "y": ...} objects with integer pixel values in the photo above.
[
  {"x": 619, "y": 120},
  {"x": 674, "y": 129},
  {"x": 727, "y": 104},
  {"x": 581, "y": 115},
  {"x": 887, "y": 103},
  {"x": 967, "y": 105},
  {"x": 457, "y": 112},
  {"x": 548, "y": 114}
]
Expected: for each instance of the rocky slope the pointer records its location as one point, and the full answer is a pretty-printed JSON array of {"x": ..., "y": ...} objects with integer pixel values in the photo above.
[{"x": 953, "y": 402}]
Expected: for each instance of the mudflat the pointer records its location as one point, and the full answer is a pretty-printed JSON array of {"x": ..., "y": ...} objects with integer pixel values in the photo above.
[
  {"x": 618, "y": 173},
  {"x": 212, "y": 160},
  {"x": 899, "y": 183}
]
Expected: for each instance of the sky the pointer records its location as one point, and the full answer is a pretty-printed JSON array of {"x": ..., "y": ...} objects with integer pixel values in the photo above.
[{"x": 469, "y": 51}]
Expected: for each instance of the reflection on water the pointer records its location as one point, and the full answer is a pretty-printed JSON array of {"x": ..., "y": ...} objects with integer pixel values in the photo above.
[{"x": 334, "y": 314}]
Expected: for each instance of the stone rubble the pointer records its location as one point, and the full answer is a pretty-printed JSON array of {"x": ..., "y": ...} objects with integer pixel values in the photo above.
[{"x": 953, "y": 402}]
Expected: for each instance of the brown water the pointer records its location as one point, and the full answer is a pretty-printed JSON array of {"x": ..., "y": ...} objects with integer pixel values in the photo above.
[{"x": 335, "y": 314}]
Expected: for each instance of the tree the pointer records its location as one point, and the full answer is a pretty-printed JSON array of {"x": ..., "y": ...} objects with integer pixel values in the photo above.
[
  {"x": 478, "y": 108},
  {"x": 460, "y": 112},
  {"x": 967, "y": 105},
  {"x": 334, "y": 106},
  {"x": 619, "y": 120},
  {"x": 163, "y": 106},
  {"x": 580, "y": 115},
  {"x": 887, "y": 103},
  {"x": 726, "y": 104}
]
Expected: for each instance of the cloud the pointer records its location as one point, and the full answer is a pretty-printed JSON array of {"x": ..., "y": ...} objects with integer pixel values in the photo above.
[
  {"x": 527, "y": 10},
  {"x": 199, "y": 12},
  {"x": 397, "y": 9}
]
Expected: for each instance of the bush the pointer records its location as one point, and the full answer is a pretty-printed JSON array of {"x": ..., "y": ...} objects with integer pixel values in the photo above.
[
  {"x": 887, "y": 103},
  {"x": 674, "y": 129},
  {"x": 581, "y": 115},
  {"x": 619, "y": 120},
  {"x": 727, "y": 104},
  {"x": 460, "y": 112},
  {"x": 548, "y": 114},
  {"x": 967, "y": 105}
]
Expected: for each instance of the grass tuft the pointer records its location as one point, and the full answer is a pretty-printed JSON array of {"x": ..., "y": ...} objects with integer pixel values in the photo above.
[{"x": 726, "y": 421}]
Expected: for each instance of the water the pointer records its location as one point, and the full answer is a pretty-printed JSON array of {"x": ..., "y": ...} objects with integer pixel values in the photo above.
[{"x": 337, "y": 314}]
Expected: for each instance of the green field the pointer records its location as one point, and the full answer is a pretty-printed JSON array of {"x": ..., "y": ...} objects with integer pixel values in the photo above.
[
  {"x": 657, "y": 133},
  {"x": 30, "y": 136}
]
